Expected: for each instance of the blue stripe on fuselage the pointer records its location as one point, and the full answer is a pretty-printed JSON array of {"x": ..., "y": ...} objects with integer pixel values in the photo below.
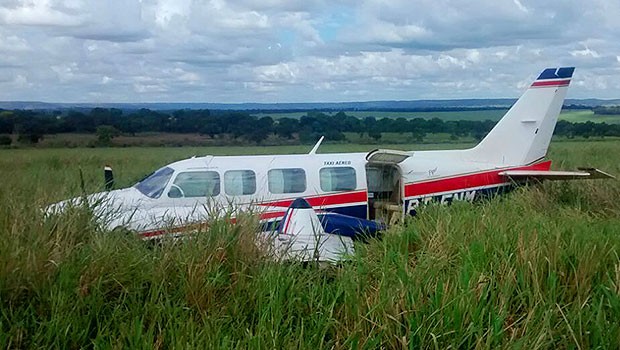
[{"x": 468, "y": 195}]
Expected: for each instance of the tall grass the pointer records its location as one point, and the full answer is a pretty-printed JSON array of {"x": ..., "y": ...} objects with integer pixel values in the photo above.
[{"x": 539, "y": 268}]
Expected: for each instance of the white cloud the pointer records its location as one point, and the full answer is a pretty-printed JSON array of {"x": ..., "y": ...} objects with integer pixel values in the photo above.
[
  {"x": 520, "y": 6},
  {"x": 277, "y": 50},
  {"x": 13, "y": 43},
  {"x": 166, "y": 11},
  {"x": 21, "y": 81},
  {"x": 389, "y": 33},
  {"x": 38, "y": 13},
  {"x": 473, "y": 56},
  {"x": 585, "y": 52}
]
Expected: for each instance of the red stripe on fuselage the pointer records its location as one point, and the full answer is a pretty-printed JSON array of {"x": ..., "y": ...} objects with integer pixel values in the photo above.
[
  {"x": 272, "y": 215},
  {"x": 550, "y": 83},
  {"x": 323, "y": 200},
  {"x": 461, "y": 182}
]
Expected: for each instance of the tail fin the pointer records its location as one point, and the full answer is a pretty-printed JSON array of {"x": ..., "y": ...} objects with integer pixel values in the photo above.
[{"x": 522, "y": 136}]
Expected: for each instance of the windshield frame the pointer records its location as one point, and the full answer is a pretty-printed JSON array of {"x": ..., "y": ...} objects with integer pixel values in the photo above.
[{"x": 154, "y": 184}]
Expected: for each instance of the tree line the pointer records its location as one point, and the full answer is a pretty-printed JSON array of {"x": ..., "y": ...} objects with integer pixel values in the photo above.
[
  {"x": 607, "y": 110},
  {"x": 31, "y": 125}
]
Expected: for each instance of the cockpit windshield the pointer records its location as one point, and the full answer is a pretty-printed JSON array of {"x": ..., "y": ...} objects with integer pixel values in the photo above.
[{"x": 154, "y": 184}]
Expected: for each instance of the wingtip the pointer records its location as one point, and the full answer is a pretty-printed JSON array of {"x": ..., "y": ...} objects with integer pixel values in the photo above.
[{"x": 597, "y": 173}]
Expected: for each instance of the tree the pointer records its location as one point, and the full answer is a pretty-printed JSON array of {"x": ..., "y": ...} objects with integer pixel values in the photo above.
[
  {"x": 261, "y": 129},
  {"x": 105, "y": 134},
  {"x": 286, "y": 127},
  {"x": 7, "y": 122},
  {"x": 5, "y": 140},
  {"x": 29, "y": 129},
  {"x": 211, "y": 127},
  {"x": 375, "y": 134},
  {"x": 418, "y": 135},
  {"x": 76, "y": 121}
]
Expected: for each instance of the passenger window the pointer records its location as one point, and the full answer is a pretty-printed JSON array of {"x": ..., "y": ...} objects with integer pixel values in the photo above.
[
  {"x": 239, "y": 182},
  {"x": 287, "y": 180},
  {"x": 338, "y": 179},
  {"x": 195, "y": 184}
]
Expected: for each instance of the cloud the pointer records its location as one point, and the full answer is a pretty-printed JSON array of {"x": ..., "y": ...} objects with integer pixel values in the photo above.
[
  {"x": 276, "y": 50},
  {"x": 585, "y": 52},
  {"x": 110, "y": 20},
  {"x": 38, "y": 13},
  {"x": 13, "y": 43}
]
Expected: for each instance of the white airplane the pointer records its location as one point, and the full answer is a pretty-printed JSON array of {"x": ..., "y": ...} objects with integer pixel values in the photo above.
[{"x": 348, "y": 190}]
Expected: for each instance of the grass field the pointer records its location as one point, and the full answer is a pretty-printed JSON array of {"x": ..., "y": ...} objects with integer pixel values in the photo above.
[
  {"x": 574, "y": 116},
  {"x": 196, "y": 140},
  {"x": 537, "y": 269},
  {"x": 584, "y": 116}
]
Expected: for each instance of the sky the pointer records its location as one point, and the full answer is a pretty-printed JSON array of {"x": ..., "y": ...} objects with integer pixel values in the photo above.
[{"x": 301, "y": 51}]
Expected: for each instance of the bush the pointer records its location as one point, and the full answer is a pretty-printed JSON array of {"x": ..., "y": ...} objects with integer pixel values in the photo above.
[
  {"x": 31, "y": 137},
  {"x": 5, "y": 140},
  {"x": 105, "y": 134}
]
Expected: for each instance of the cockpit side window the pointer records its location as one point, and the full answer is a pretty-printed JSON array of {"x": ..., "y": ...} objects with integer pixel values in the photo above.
[
  {"x": 154, "y": 184},
  {"x": 195, "y": 184}
]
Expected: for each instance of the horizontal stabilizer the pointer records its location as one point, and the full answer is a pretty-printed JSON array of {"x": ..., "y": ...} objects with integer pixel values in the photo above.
[{"x": 584, "y": 173}]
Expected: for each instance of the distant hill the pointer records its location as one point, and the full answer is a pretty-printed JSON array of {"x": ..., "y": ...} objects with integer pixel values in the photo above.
[{"x": 414, "y": 105}]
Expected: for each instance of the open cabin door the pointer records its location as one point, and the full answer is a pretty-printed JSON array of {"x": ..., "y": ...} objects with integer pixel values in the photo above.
[{"x": 384, "y": 180}]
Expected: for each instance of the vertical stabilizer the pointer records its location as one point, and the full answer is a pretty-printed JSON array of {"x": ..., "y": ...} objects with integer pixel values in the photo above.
[{"x": 522, "y": 136}]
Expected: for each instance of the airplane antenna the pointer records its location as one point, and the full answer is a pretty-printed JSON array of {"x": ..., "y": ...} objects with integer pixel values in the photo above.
[{"x": 316, "y": 147}]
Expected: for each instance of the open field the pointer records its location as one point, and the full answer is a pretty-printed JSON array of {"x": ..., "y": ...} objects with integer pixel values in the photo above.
[
  {"x": 196, "y": 140},
  {"x": 539, "y": 268},
  {"x": 580, "y": 116},
  {"x": 574, "y": 116},
  {"x": 354, "y": 140}
]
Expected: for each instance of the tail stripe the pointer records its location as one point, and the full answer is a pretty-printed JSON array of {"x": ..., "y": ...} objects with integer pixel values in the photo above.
[{"x": 550, "y": 83}]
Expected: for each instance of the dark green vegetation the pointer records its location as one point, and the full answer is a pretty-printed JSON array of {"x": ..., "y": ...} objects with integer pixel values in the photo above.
[
  {"x": 539, "y": 268},
  {"x": 205, "y": 127},
  {"x": 571, "y": 114}
]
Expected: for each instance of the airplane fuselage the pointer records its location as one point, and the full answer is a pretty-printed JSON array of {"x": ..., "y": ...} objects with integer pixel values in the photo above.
[{"x": 193, "y": 190}]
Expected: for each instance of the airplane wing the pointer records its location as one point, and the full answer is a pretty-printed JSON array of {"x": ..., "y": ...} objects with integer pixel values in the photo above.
[{"x": 583, "y": 173}]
